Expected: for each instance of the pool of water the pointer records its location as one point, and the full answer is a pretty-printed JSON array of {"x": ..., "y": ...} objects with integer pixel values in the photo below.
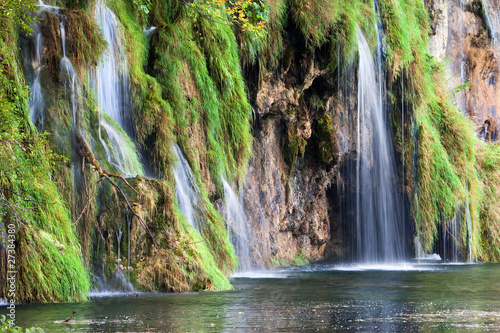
[{"x": 406, "y": 297}]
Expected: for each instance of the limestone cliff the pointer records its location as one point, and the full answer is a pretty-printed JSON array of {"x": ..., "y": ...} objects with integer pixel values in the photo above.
[{"x": 463, "y": 36}]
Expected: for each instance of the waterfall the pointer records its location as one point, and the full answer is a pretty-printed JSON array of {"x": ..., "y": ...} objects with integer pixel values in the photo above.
[
  {"x": 37, "y": 102},
  {"x": 149, "y": 32},
  {"x": 420, "y": 253},
  {"x": 128, "y": 246},
  {"x": 68, "y": 72},
  {"x": 469, "y": 223},
  {"x": 238, "y": 227},
  {"x": 187, "y": 192},
  {"x": 33, "y": 66},
  {"x": 118, "y": 240},
  {"x": 112, "y": 73},
  {"x": 378, "y": 212},
  {"x": 492, "y": 19},
  {"x": 451, "y": 237},
  {"x": 112, "y": 89}
]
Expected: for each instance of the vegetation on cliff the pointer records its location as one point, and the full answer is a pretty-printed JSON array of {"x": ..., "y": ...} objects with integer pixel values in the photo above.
[
  {"x": 187, "y": 86},
  {"x": 48, "y": 259}
]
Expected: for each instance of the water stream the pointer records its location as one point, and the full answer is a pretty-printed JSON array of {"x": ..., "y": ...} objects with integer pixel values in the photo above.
[
  {"x": 378, "y": 211},
  {"x": 112, "y": 88},
  {"x": 187, "y": 192},
  {"x": 68, "y": 73},
  {"x": 238, "y": 227},
  {"x": 37, "y": 101}
]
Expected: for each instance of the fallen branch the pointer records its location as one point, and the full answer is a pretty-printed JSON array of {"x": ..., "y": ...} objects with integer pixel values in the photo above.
[
  {"x": 69, "y": 318},
  {"x": 85, "y": 151}
]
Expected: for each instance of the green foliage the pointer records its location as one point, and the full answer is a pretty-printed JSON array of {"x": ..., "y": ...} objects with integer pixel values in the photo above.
[
  {"x": 17, "y": 11},
  {"x": 443, "y": 155},
  {"x": 6, "y": 326},
  {"x": 187, "y": 260},
  {"x": 489, "y": 174},
  {"x": 293, "y": 145},
  {"x": 84, "y": 43},
  {"x": 323, "y": 20},
  {"x": 197, "y": 66},
  {"x": 326, "y": 139},
  {"x": 143, "y": 8},
  {"x": 48, "y": 255},
  {"x": 300, "y": 258},
  {"x": 248, "y": 15}
]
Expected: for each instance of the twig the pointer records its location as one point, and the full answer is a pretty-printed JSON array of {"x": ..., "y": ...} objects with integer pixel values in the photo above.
[
  {"x": 144, "y": 225},
  {"x": 69, "y": 318}
]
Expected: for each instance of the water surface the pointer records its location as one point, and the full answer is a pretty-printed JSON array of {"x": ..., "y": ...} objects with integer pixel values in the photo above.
[{"x": 316, "y": 298}]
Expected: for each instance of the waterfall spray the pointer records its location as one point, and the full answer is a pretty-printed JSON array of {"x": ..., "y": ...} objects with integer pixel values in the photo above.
[
  {"x": 238, "y": 227},
  {"x": 112, "y": 88},
  {"x": 378, "y": 212},
  {"x": 186, "y": 191}
]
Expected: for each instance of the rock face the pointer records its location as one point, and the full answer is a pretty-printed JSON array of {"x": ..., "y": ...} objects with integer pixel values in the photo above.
[
  {"x": 462, "y": 33},
  {"x": 293, "y": 165}
]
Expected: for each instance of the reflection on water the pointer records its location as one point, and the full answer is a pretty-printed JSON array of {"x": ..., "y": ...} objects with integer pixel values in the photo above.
[{"x": 418, "y": 298}]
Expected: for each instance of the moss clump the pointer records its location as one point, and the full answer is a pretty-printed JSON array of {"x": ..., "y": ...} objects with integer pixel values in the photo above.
[
  {"x": 489, "y": 174},
  {"x": 84, "y": 43},
  {"x": 326, "y": 139},
  {"x": 293, "y": 145},
  {"x": 186, "y": 260}
]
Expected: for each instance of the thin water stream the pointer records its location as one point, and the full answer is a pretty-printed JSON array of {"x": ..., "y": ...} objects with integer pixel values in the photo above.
[
  {"x": 378, "y": 212},
  {"x": 111, "y": 84},
  {"x": 238, "y": 227},
  {"x": 325, "y": 298},
  {"x": 187, "y": 192}
]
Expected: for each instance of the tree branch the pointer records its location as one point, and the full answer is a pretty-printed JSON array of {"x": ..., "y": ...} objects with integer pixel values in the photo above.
[{"x": 87, "y": 153}]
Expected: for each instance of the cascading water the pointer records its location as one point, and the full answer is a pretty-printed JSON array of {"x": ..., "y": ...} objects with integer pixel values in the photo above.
[
  {"x": 468, "y": 220},
  {"x": 186, "y": 191},
  {"x": 33, "y": 66},
  {"x": 238, "y": 227},
  {"x": 119, "y": 281},
  {"x": 119, "y": 241},
  {"x": 378, "y": 212},
  {"x": 68, "y": 73},
  {"x": 450, "y": 237},
  {"x": 491, "y": 12},
  {"x": 149, "y": 32},
  {"x": 37, "y": 101},
  {"x": 111, "y": 86},
  {"x": 420, "y": 253}
]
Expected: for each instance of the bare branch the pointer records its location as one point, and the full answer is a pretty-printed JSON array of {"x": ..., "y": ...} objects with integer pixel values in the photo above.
[{"x": 85, "y": 151}]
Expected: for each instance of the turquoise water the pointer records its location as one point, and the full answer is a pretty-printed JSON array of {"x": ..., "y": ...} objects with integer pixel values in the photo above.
[{"x": 316, "y": 298}]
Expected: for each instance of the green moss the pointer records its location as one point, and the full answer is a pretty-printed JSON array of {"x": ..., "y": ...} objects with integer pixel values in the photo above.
[
  {"x": 293, "y": 145},
  {"x": 326, "y": 139},
  {"x": 84, "y": 43},
  {"x": 48, "y": 255},
  {"x": 445, "y": 158}
]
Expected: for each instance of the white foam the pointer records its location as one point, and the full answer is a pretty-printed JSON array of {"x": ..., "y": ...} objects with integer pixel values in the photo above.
[
  {"x": 262, "y": 274},
  {"x": 434, "y": 257},
  {"x": 99, "y": 294},
  {"x": 404, "y": 266}
]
